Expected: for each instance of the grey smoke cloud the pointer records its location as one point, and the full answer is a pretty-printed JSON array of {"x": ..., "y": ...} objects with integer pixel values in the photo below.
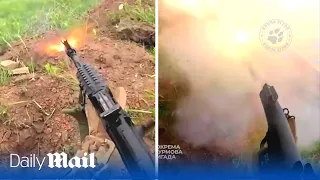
[{"x": 224, "y": 96}]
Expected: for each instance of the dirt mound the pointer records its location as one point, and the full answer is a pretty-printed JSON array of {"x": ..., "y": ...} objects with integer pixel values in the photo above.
[
  {"x": 97, "y": 16},
  {"x": 35, "y": 123},
  {"x": 121, "y": 63},
  {"x": 138, "y": 32},
  {"x": 124, "y": 28},
  {"x": 106, "y": 6}
]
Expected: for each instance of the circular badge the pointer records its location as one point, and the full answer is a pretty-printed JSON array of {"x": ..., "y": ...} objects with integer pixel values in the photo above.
[{"x": 275, "y": 35}]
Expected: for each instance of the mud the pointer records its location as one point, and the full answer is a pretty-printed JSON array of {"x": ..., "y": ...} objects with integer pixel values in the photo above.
[
  {"x": 36, "y": 123},
  {"x": 31, "y": 129}
]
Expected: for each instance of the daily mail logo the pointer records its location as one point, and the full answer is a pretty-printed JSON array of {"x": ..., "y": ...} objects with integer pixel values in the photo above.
[{"x": 56, "y": 160}]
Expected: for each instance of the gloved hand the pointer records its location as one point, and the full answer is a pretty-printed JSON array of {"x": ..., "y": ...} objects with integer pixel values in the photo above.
[{"x": 93, "y": 135}]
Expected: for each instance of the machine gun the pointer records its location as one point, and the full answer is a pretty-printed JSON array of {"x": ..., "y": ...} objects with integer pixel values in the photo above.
[
  {"x": 281, "y": 153},
  {"x": 128, "y": 139}
]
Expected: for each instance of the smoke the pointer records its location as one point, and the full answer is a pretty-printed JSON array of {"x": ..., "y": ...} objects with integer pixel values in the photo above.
[{"x": 217, "y": 46}]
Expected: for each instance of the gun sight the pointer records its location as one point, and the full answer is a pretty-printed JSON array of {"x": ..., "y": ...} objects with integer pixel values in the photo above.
[{"x": 69, "y": 50}]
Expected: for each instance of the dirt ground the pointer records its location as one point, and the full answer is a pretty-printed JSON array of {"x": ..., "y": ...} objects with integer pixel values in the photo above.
[{"x": 36, "y": 122}]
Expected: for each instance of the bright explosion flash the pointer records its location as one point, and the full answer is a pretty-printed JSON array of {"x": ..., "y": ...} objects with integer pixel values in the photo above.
[
  {"x": 217, "y": 47},
  {"x": 241, "y": 37},
  {"x": 60, "y": 47},
  {"x": 75, "y": 38}
]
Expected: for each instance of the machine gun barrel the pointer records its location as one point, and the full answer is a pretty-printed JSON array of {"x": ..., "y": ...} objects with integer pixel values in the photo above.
[
  {"x": 282, "y": 150},
  {"x": 128, "y": 140}
]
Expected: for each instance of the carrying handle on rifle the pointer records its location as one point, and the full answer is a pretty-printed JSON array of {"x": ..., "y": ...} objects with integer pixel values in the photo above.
[{"x": 286, "y": 113}]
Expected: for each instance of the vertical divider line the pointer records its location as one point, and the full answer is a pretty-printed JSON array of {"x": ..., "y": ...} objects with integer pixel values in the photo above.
[{"x": 156, "y": 87}]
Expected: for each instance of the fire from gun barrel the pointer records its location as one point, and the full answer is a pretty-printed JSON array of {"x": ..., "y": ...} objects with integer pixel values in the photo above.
[{"x": 75, "y": 37}]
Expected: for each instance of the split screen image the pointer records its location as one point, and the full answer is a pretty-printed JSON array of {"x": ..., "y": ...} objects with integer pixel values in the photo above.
[{"x": 167, "y": 89}]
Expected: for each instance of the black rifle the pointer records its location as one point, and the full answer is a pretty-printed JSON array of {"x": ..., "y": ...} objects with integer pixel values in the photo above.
[
  {"x": 128, "y": 139},
  {"x": 281, "y": 153}
]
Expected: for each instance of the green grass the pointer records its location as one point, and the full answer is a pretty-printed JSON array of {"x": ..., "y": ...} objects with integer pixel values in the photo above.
[
  {"x": 4, "y": 76},
  {"x": 3, "y": 113},
  {"x": 152, "y": 51},
  {"x": 19, "y": 18},
  {"x": 67, "y": 75},
  {"x": 312, "y": 154},
  {"x": 164, "y": 110},
  {"x": 138, "y": 115},
  {"x": 139, "y": 11},
  {"x": 31, "y": 66},
  {"x": 51, "y": 70},
  {"x": 150, "y": 95},
  {"x": 61, "y": 71}
]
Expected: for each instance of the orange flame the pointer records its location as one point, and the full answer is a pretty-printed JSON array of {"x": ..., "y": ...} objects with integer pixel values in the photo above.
[{"x": 75, "y": 38}]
